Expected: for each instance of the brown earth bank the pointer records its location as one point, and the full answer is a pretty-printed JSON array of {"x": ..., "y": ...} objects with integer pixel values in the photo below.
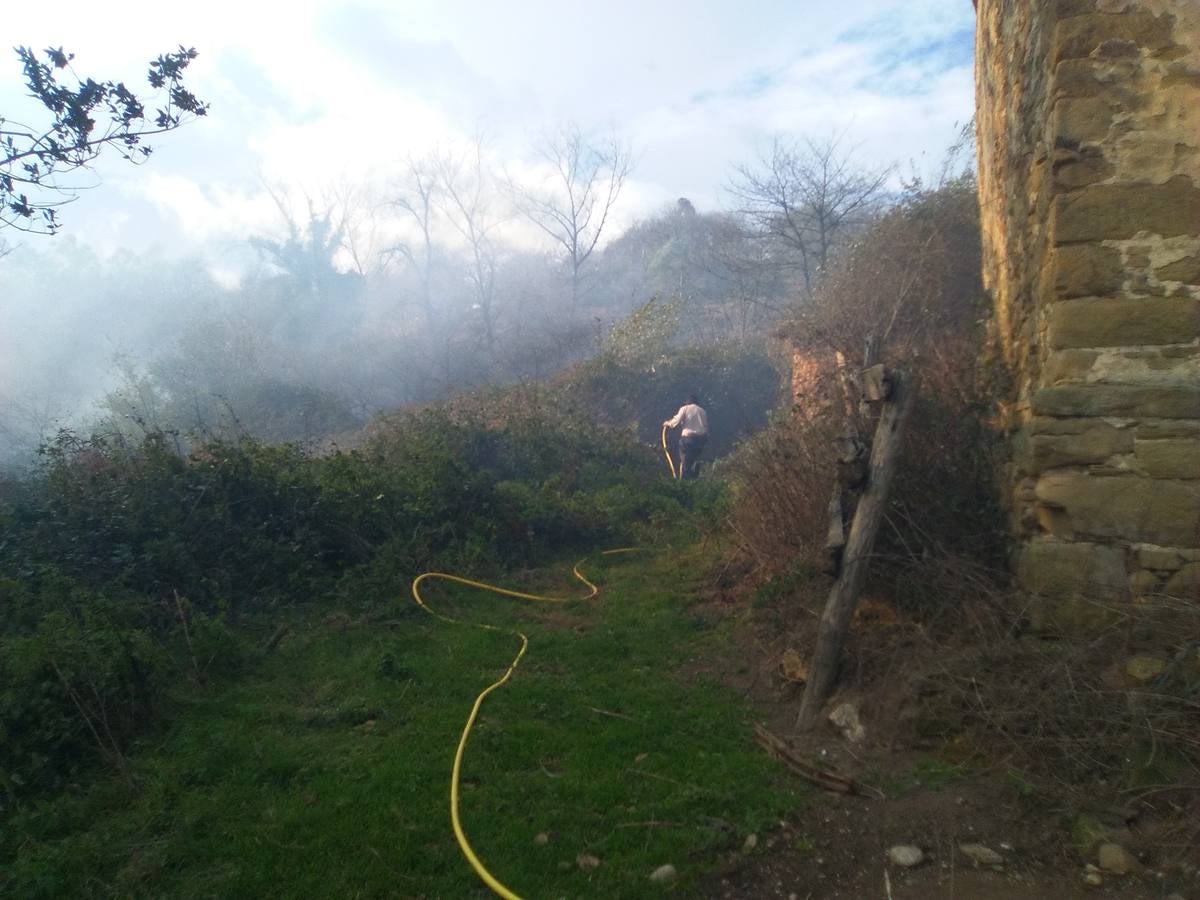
[{"x": 929, "y": 792}]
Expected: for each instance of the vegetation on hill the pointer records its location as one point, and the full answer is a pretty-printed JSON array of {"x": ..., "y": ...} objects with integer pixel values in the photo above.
[{"x": 128, "y": 566}]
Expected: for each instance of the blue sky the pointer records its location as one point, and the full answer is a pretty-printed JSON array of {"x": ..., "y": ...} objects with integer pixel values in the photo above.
[{"x": 336, "y": 94}]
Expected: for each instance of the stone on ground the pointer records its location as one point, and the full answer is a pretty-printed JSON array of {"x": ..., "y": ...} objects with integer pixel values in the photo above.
[
  {"x": 663, "y": 873},
  {"x": 981, "y": 855},
  {"x": 906, "y": 855},
  {"x": 1116, "y": 859}
]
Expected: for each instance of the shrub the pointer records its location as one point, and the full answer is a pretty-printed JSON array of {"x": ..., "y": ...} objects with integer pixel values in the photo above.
[
  {"x": 128, "y": 567},
  {"x": 909, "y": 289},
  {"x": 79, "y": 673}
]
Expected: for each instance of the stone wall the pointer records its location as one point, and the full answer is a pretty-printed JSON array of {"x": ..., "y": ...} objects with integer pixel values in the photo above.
[{"x": 1088, "y": 118}]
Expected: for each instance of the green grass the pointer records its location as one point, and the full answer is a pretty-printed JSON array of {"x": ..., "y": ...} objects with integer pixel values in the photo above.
[{"x": 325, "y": 771}]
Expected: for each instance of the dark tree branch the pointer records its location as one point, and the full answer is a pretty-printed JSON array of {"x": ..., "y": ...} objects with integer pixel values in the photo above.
[{"x": 87, "y": 119}]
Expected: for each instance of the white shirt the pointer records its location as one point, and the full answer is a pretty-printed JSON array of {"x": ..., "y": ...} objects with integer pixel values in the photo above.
[{"x": 693, "y": 418}]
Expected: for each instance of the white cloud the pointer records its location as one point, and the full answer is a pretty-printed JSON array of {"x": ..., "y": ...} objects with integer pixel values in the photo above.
[{"x": 323, "y": 94}]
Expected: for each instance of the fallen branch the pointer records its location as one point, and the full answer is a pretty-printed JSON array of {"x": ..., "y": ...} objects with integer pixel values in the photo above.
[
  {"x": 273, "y": 641},
  {"x": 611, "y": 714},
  {"x": 781, "y": 750}
]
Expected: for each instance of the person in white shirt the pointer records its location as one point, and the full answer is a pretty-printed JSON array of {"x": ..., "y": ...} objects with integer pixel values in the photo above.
[{"x": 692, "y": 437}]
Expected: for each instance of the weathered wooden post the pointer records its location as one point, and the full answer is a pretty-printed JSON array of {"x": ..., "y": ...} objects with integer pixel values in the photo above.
[{"x": 897, "y": 392}]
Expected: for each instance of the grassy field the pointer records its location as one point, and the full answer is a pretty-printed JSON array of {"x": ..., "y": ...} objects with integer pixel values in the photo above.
[{"x": 324, "y": 771}]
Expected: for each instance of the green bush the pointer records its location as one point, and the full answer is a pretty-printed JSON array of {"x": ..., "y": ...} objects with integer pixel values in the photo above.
[
  {"x": 80, "y": 673},
  {"x": 128, "y": 567}
]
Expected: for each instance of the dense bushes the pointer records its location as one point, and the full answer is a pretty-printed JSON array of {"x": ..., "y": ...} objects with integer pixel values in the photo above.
[
  {"x": 125, "y": 567},
  {"x": 909, "y": 290}
]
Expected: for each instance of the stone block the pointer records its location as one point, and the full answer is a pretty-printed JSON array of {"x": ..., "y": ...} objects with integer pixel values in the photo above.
[
  {"x": 1088, "y": 445},
  {"x": 1082, "y": 120},
  {"x": 1186, "y": 270},
  {"x": 1079, "y": 78},
  {"x": 1169, "y": 428},
  {"x": 1143, "y": 583},
  {"x": 1160, "y": 401},
  {"x": 1079, "y": 169},
  {"x": 1180, "y": 74},
  {"x": 1065, "y": 8},
  {"x": 1053, "y": 521},
  {"x": 1185, "y": 584},
  {"x": 1127, "y": 507},
  {"x": 1069, "y": 365},
  {"x": 1083, "y": 270},
  {"x": 1161, "y": 559},
  {"x": 1082, "y": 35},
  {"x": 1117, "y": 211},
  {"x": 1122, "y": 321},
  {"x": 1061, "y": 570},
  {"x": 1169, "y": 458}
]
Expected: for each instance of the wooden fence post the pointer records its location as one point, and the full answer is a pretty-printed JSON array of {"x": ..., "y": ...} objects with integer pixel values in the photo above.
[{"x": 843, "y": 597}]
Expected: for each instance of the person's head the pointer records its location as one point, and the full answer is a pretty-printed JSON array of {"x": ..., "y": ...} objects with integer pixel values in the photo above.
[{"x": 691, "y": 398}]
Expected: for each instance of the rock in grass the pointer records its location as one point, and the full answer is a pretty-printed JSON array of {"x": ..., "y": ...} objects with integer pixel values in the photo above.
[
  {"x": 1144, "y": 668},
  {"x": 663, "y": 873},
  {"x": 1116, "y": 859},
  {"x": 981, "y": 855},
  {"x": 845, "y": 717},
  {"x": 586, "y": 861},
  {"x": 906, "y": 855},
  {"x": 541, "y": 838},
  {"x": 1092, "y": 876}
]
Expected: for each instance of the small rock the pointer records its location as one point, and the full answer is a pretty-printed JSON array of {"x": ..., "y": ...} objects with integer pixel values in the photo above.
[
  {"x": 845, "y": 717},
  {"x": 906, "y": 856},
  {"x": 663, "y": 873},
  {"x": 1092, "y": 876},
  {"x": 981, "y": 855},
  {"x": 751, "y": 843},
  {"x": 1116, "y": 859},
  {"x": 1144, "y": 668},
  {"x": 793, "y": 666},
  {"x": 586, "y": 861},
  {"x": 640, "y": 758},
  {"x": 541, "y": 838}
]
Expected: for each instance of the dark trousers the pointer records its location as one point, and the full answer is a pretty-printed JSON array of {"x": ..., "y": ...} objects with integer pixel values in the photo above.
[{"x": 691, "y": 448}]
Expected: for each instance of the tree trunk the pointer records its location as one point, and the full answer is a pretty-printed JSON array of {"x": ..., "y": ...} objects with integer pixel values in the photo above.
[{"x": 856, "y": 556}]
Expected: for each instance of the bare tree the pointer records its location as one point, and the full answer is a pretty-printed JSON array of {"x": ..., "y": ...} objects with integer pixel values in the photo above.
[
  {"x": 808, "y": 196},
  {"x": 573, "y": 203},
  {"x": 418, "y": 196},
  {"x": 359, "y": 213},
  {"x": 465, "y": 196}
]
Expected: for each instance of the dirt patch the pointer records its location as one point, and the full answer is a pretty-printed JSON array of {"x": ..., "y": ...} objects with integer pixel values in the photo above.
[
  {"x": 927, "y": 783},
  {"x": 838, "y": 848}
]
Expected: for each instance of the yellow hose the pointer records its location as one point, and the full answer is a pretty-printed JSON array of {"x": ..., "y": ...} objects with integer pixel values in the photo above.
[
  {"x": 667, "y": 453},
  {"x": 487, "y": 877}
]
